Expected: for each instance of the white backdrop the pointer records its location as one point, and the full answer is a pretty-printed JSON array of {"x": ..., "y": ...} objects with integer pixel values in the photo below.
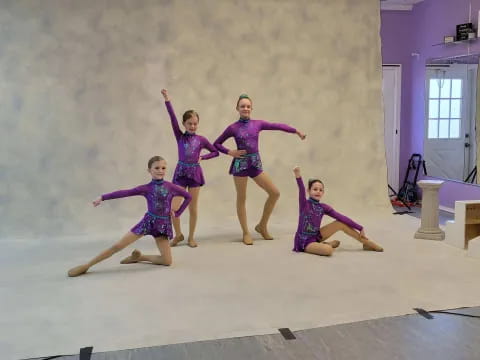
[{"x": 81, "y": 109}]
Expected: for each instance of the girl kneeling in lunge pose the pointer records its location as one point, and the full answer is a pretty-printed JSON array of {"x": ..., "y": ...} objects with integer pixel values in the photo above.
[{"x": 156, "y": 222}]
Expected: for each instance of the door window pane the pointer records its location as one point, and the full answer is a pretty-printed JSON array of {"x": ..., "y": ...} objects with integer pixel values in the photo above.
[
  {"x": 433, "y": 129},
  {"x": 443, "y": 129},
  {"x": 455, "y": 108},
  {"x": 456, "y": 88},
  {"x": 445, "y": 88},
  {"x": 444, "y": 109},
  {"x": 434, "y": 89},
  {"x": 455, "y": 128},
  {"x": 433, "y": 109}
]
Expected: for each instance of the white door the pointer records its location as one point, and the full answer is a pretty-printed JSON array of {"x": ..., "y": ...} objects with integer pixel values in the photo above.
[
  {"x": 446, "y": 121},
  {"x": 391, "y": 88}
]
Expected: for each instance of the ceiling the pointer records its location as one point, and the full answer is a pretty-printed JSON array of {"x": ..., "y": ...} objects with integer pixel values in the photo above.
[{"x": 406, "y": 5}]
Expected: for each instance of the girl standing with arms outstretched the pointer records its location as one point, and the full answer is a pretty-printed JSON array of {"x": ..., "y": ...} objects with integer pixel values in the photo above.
[
  {"x": 310, "y": 237},
  {"x": 247, "y": 163},
  {"x": 188, "y": 173},
  {"x": 156, "y": 222}
]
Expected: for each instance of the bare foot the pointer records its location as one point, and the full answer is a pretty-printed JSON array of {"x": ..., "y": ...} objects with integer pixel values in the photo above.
[
  {"x": 192, "y": 243},
  {"x": 247, "y": 239},
  {"x": 132, "y": 258},
  {"x": 369, "y": 245},
  {"x": 263, "y": 232},
  {"x": 177, "y": 239},
  {"x": 78, "y": 270},
  {"x": 334, "y": 243}
]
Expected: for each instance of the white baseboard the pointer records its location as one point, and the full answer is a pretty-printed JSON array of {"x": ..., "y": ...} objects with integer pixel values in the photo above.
[{"x": 447, "y": 209}]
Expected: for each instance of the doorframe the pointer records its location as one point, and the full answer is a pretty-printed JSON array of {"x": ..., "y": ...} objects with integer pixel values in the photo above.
[{"x": 395, "y": 139}]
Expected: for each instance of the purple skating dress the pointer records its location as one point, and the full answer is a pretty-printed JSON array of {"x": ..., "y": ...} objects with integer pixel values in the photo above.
[
  {"x": 159, "y": 194},
  {"x": 188, "y": 172},
  {"x": 310, "y": 219},
  {"x": 246, "y": 132}
]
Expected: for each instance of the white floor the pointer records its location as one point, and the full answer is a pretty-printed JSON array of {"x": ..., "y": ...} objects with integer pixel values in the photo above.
[{"x": 220, "y": 289}]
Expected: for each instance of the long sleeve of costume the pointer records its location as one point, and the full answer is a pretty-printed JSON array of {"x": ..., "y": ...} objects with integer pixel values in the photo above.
[
  {"x": 173, "y": 119},
  {"x": 213, "y": 150},
  {"x": 266, "y": 125},
  {"x": 342, "y": 218},
  {"x": 221, "y": 139},
  {"x": 136, "y": 191},
  {"x": 178, "y": 191},
  {"x": 301, "y": 193}
]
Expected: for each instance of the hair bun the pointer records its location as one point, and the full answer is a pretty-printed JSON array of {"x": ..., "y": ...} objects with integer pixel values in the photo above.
[{"x": 243, "y": 96}]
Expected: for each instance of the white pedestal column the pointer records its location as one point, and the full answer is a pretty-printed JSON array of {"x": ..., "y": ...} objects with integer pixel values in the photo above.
[{"x": 429, "y": 226}]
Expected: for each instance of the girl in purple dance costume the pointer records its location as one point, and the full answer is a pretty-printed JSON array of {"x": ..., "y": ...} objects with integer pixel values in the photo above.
[
  {"x": 156, "y": 222},
  {"x": 310, "y": 237},
  {"x": 188, "y": 173},
  {"x": 247, "y": 163}
]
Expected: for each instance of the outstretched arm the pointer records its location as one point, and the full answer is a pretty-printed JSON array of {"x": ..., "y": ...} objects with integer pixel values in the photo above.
[
  {"x": 173, "y": 118},
  {"x": 266, "y": 125},
  {"x": 301, "y": 188},
  {"x": 342, "y": 218},
  {"x": 139, "y": 190}
]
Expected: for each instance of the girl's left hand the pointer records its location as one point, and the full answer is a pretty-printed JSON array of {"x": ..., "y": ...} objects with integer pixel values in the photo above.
[
  {"x": 362, "y": 233},
  {"x": 301, "y": 135}
]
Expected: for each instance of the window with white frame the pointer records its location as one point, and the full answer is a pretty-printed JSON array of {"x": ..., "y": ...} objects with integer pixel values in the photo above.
[{"x": 444, "y": 108}]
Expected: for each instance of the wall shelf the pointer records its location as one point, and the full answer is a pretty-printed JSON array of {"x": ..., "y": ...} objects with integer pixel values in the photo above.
[{"x": 458, "y": 42}]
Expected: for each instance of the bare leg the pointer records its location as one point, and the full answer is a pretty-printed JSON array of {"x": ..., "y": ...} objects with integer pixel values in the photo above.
[
  {"x": 330, "y": 229},
  {"x": 241, "y": 187},
  {"x": 264, "y": 181},
  {"x": 193, "y": 208},
  {"x": 176, "y": 202},
  {"x": 165, "y": 257},
  {"x": 319, "y": 249},
  {"x": 126, "y": 240}
]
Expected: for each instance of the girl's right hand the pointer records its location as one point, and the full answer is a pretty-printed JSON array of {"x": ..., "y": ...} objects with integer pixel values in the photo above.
[
  {"x": 165, "y": 94},
  {"x": 237, "y": 153},
  {"x": 296, "y": 171},
  {"x": 97, "y": 201}
]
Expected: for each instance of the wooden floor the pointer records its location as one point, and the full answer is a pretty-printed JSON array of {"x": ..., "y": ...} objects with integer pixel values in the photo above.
[{"x": 411, "y": 337}]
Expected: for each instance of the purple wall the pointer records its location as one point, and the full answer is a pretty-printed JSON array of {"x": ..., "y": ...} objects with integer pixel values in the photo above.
[
  {"x": 396, "y": 33},
  {"x": 407, "y": 32}
]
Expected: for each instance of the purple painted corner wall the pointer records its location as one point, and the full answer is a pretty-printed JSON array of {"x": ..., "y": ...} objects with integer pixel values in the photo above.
[{"x": 407, "y": 39}]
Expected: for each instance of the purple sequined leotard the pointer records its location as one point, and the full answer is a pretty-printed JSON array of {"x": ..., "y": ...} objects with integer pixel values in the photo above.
[
  {"x": 188, "y": 172},
  {"x": 246, "y": 132},
  {"x": 159, "y": 194},
  {"x": 310, "y": 218}
]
